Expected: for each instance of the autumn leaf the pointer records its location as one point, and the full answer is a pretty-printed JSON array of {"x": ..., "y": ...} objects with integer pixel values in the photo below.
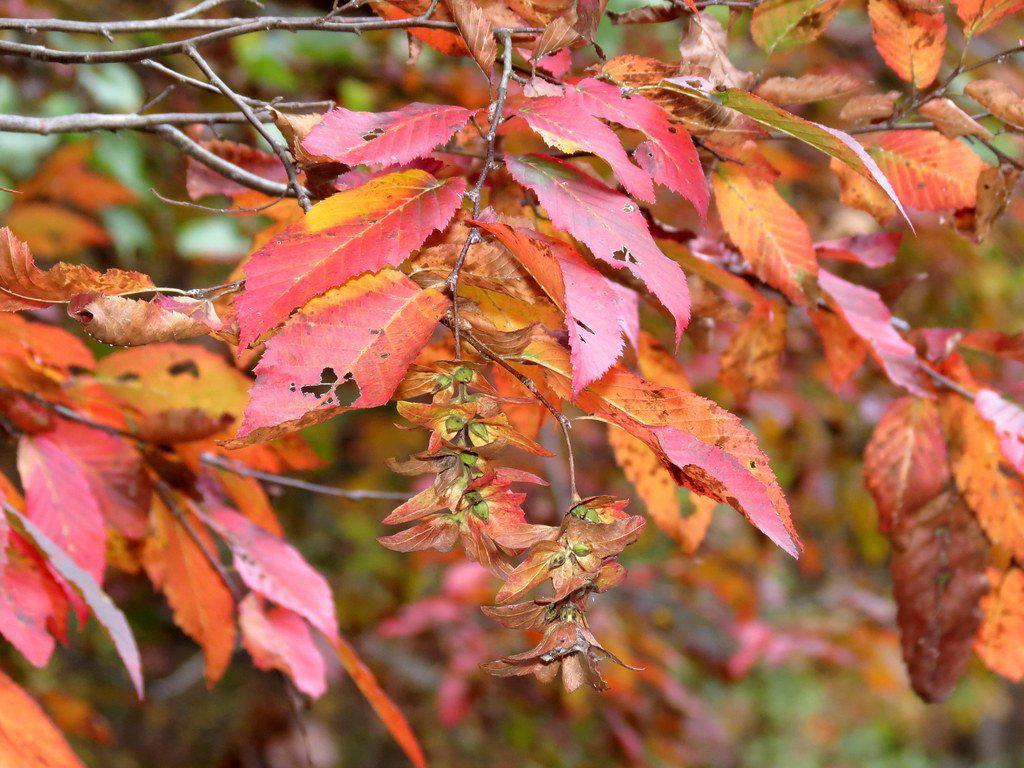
[
  {"x": 25, "y": 603},
  {"x": 753, "y": 359},
  {"x": 771, "y": 236},
  {"x": 988, "y": 483},
  {"x": 998, "y": 642},
  {"x": 912, "y": 43},
  {"x": 938, "y": 573},
  {"x": 60, "y": 500},
  {"x": 380, "y": 139},
  {"x": 980, "y": 16},
  {"x": 875, "y": 250},
  {"x": 126, "y": 322},
  {"x": 999, "y": 99},
  {"x": 595, "y": 317},
  {"x": 476, "y": 29},
  {"x": 667, "y": 152},
  {"x": 28, "y": 738},
  {"x": 565, "y": 124},
  {"x": 928, "y": 171},
  {"x": 275, "y": 569},
  {"x": 23, "y": 285},
  {"x": 347, "y": 349},
  {"x": 277, "y": 638},
  {"x": 780, "y": 24},
  {"x": 1008, "y": 419},
  {"x": 608, "y": 223},
  {"x": 659, "y": 491},
  {"x": 807, "y": 88},
  {"x": 85, "y": 586},
  {"x": 359, "y": 230},
  {"x": 869, "y": 318},
  {"x": 905, "y": 461},
  {"x": 202, "y": 604},
  {"x": 951, "y": 121}
]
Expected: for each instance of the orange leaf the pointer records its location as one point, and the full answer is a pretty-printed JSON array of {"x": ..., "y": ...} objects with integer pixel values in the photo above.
[
  {"x": 998, "y": 643},
  {"x": 766, "y": 229},
  {"x": 28, "y": 739},
  {"x": 202, "y": 605},
  {"x": 23, "y": 285},
  {"x": 911, "y": 42}
]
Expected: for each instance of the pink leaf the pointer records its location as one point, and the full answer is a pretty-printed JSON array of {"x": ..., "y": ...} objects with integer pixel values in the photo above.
[
  {"x": 24, "y": 608},
  {"x": 668, "y": 154},
  {"x": 277, "y": 638},
  {"x": 870, "y": 319},
  {"x": 608, "y": 223},
  {"x": 1008, "y": 419},
  {"x": 875, "y": 250},
  {"x": 748, "y": 493},
  {"x": 102, "y": 607},
  {"x": 384, "y": 138},
  {"x": 275, "y": 569},
  {"x": 60, "y": 500},
  {"x": 563, "y": 122},
  {"x": 596, "y": 315}
]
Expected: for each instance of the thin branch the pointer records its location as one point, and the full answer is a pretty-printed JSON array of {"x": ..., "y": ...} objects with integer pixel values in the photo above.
[
  {"x": 167, "y": 497},
  {"x": 98, "y": 121},
  {"x": 215, "y": 30},
  {"x": 268, "y": 477},
  {"x": 498, "y": 108},
  {"x": 216, "y": 163},
  {"x": 282, "y": 152}
]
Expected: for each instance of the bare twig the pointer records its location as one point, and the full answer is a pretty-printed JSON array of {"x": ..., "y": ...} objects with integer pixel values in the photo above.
[
  {"x": 213, "y": 30},
  {"x": 97, "y": 121},
  {"x": 282, "y": 152},
  {"x": 327, "y": 490}
]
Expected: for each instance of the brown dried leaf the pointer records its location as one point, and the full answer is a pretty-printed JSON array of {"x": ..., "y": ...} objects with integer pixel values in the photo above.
[
  {"x": 999, "y": 99},
  {"x": 951, "y": 121},
  {"x": 938, "y": 572},
  {"x": 868, "y": 109},
  {"x": 126, "y": 322}
]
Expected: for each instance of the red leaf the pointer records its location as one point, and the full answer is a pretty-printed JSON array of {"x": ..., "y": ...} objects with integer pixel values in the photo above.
[
  {"x": 379, "y": 139},
  {"x": 1008, "y": 420},
  {"x": 870, "y": 319},
  {"x": 277, "y": 638},
  {"x": 60, "y": 500},
  {"x": 905, "y": 462},
  {"x": 595, "y": 316},
  {"x": 668, "y": 154},
  {"x": 359, "y": 230},
  {"x": 102, "y": 607},
  {"x": 25, "y": 607},
  {"x": 608, "y": 223},
  {"x": 275, "y": 569},
  {"x": 347, "y": 349},
  {"x": 114, "y": 470}
]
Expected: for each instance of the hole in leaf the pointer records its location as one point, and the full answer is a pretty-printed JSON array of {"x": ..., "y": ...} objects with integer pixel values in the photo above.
[
  {"x": 327, "y": 380},
  {"x": 185, "y": 366}
]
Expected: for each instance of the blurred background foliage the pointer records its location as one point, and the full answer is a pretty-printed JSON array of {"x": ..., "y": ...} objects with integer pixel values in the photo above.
[{"x": 750, "y": 659}]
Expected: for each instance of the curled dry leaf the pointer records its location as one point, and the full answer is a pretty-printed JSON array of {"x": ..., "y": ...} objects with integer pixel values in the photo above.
[
  {"x": 999, "y": 99},
  {"x": 807, "y": 88},
  {"x": 996, "y": 185},
  {"x": 868, "y": 109},
  {"x": 126, "y": 322},
  {"x": 23, "y": 285},
  {"x": 951, "y": 121}
]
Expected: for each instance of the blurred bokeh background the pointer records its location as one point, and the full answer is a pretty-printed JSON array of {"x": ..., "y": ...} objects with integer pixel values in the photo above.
[{"x": 749, "y": 658}]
